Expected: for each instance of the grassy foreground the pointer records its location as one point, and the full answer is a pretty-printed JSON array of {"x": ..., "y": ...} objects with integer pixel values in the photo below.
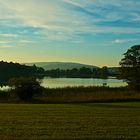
[{"x": 70, "y": 121}]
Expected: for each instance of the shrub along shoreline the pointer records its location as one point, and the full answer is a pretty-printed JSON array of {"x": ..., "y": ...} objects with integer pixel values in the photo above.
[{"x": 75, "y": 95}]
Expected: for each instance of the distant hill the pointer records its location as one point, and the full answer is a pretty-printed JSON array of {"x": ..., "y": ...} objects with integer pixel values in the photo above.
[{"x": 60, "y": 65}]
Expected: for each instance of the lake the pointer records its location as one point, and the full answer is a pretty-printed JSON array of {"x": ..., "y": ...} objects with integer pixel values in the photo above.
[{"x": 72, "y": 82}]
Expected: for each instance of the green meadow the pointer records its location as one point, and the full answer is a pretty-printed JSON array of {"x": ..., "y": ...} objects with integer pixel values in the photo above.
[{"x": 70, "y": 121}]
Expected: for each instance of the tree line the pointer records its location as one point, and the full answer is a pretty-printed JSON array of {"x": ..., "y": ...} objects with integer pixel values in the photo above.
[
  {"x": 9, "y": 70},
  {"x": 83, "y": 72}
]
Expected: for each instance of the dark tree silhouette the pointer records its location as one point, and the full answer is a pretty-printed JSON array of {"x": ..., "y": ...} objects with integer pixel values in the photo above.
[
  {"x": 82, "y": 72},
  {"x": 104, "y": 72},
  {"x": 26, "y": 87},
  {"x": 10, "y": 70},
  {"x": 130, "y": 67}
]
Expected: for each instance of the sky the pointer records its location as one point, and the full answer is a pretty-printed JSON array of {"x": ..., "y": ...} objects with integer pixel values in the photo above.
[{"x": 95, "y": 32}]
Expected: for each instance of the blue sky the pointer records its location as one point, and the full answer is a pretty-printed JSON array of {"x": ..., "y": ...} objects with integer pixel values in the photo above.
[{"x": 94, "y": 32}]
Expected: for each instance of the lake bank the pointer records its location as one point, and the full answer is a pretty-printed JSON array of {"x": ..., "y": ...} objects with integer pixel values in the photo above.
[
  {"x": 76, "y": 95},
  {"x": 89, "y": 94}
]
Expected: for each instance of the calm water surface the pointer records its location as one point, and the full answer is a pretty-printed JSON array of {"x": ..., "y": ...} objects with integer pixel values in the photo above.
[
  {"x": 72, "y": 82},
  {"x": 4, "y": 88}
]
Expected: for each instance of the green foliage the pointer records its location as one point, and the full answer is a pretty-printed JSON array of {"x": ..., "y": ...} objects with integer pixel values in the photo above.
[
  {"x": 10, "y": 70},
  {"x": 26, "y": 87},
  {"x": 83, "y": 72},
  {"x": 130, "y": 67}
]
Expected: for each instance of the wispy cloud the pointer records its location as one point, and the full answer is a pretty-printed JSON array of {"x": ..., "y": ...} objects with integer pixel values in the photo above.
[
  {"x": 119, "y": 41},
  {"x": 89, "y": 23},
  {"x": 26, "y": 41},
  {"x": 8, "y": 35},
  {"x": 70, "y": 16},
  {"x": 4, "y": 42},
  {"x": 5, "y": 47}
]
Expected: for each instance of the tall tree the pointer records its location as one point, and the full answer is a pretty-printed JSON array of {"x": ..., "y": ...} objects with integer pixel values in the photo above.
[{"x": 130, "y": 67}]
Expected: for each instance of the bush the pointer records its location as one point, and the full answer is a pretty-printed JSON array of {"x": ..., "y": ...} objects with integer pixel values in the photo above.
[{"x": 26, "y": 87}]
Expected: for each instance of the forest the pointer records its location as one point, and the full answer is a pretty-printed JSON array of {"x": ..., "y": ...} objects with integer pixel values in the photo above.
[
  {"x": 84, "y": 72},
  {"x": 10, "y": 70}
]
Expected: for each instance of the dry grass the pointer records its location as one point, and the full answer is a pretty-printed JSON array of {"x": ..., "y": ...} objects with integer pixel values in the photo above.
[{"x": 89, "y": 94}]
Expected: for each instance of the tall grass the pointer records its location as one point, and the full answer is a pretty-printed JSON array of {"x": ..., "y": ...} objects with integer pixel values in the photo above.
[
  {"x": 89, "y": 94},
  {"x": 8, "y": 96},
  {"x": 76, "y": 95}
]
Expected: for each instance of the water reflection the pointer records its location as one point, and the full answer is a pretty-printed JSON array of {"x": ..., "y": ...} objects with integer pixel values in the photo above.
[
  {"x": 71, "y": 82},
  {"x": 5, "y": 88}
]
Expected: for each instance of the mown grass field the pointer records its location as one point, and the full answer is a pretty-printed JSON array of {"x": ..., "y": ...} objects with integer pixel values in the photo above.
[{"x": 70, "y": 121}]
